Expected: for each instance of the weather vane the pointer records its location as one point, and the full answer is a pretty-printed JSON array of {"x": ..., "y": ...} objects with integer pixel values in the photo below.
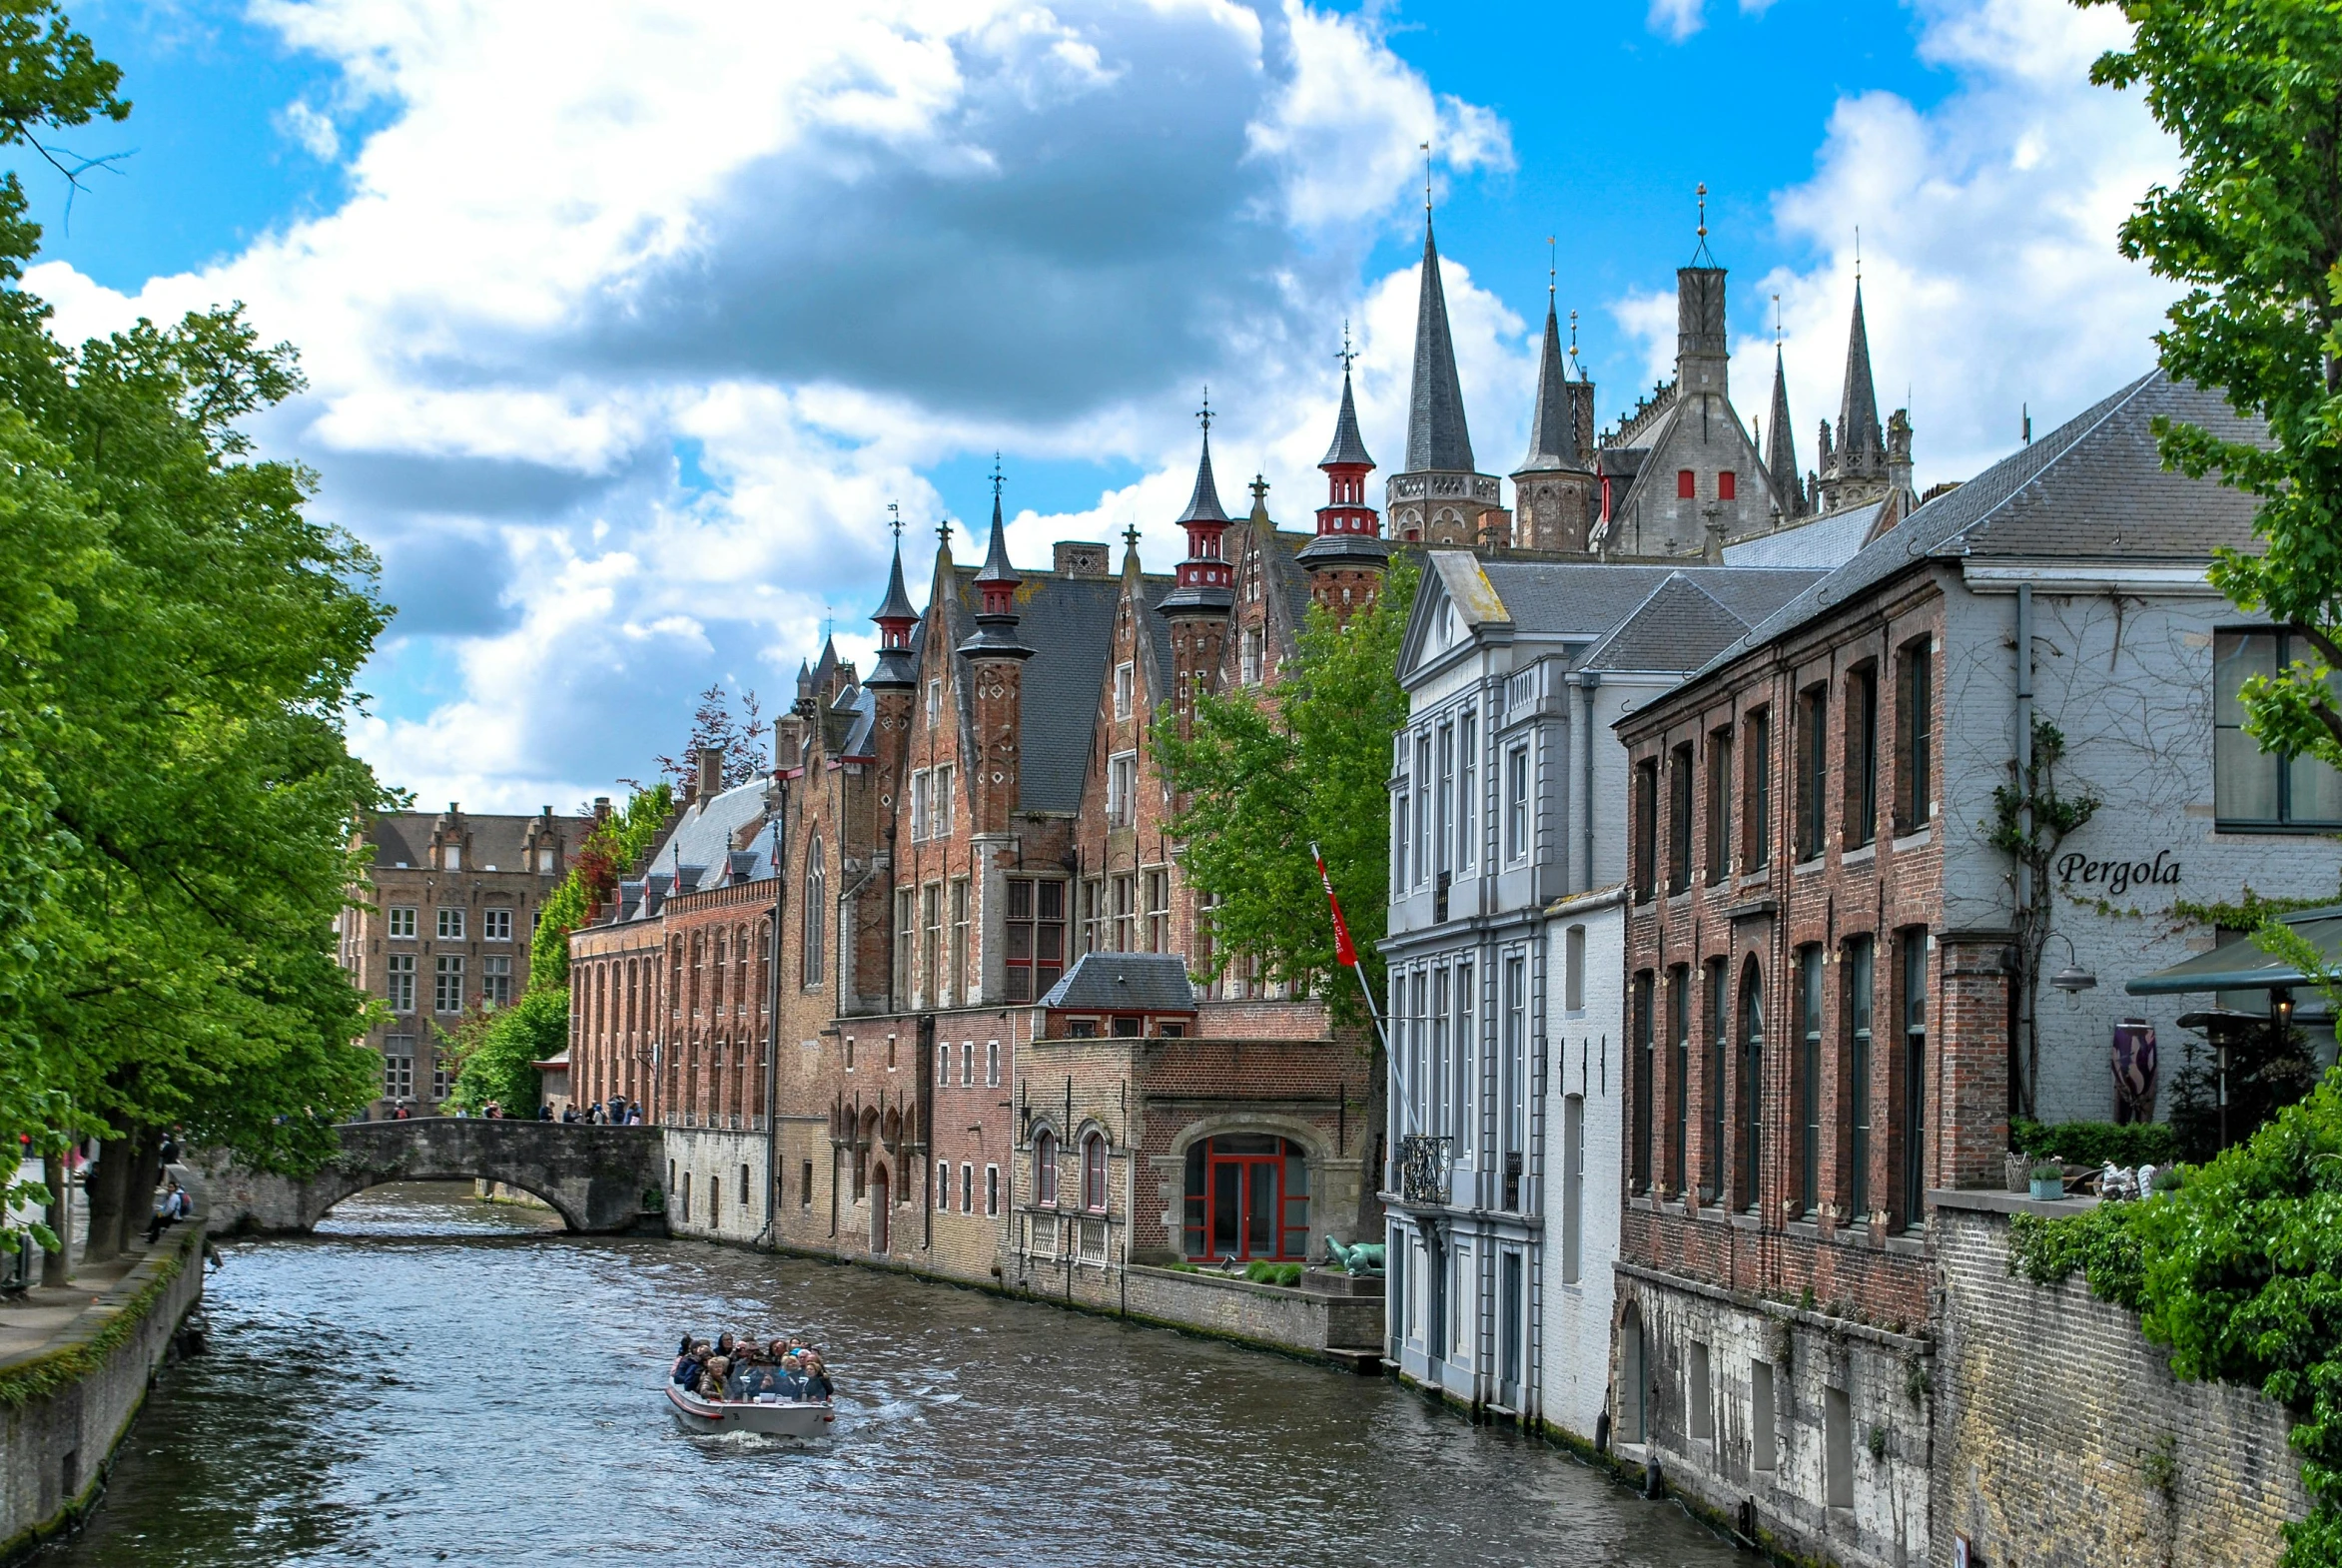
[
  {"x": 1573, "y": 338},
  {"x": 996, "y": 475},
  {"x": 1205, "y": 413},
  {"x": 1348, "y": 353},
  {"x": 1426, "y": 179},
  {"x": 1777, "y": 321},
  {"x": 1549, "y": 275},
  {"x": 895, "y": 521}
]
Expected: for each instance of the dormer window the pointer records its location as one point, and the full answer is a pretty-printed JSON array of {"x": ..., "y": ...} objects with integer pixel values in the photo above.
[{"x": 451, "y": 857}]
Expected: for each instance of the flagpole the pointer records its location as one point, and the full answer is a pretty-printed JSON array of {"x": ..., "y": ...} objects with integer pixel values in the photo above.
[{"x": 1346, "y": 952}]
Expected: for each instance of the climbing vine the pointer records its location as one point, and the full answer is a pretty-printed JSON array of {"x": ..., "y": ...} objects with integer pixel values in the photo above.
[{"x": 2030, "y": 818}]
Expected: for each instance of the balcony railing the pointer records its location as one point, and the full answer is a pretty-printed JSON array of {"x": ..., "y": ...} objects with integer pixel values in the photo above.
[{"x": 1424, "y": 1159}]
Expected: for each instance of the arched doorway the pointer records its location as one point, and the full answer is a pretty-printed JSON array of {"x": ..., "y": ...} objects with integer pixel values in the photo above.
[
  {"x": 880, "y": 1212},
  {"x": 1248, "y": 1197},
  {"x": 1631, "y": 1384}
]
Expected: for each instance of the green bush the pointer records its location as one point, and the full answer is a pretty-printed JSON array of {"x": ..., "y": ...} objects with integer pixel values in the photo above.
[
  {"x": 1266, "y": 1274},
  {"x": 2095, "y": 1143}
]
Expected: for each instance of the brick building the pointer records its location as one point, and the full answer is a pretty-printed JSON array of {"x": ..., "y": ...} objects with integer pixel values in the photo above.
[
  {"x": 442, "y": 924},
  {"x": 1834, "y": 975}
]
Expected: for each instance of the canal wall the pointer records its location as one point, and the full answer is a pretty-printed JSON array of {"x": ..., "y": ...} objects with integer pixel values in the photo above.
[
  {"x": 2062, "y": 1437},
  {"x": 66, "y": 1405}
]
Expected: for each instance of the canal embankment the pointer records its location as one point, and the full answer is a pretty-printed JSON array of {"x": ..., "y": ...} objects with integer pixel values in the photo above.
[{"x": 76, "y": 1363}]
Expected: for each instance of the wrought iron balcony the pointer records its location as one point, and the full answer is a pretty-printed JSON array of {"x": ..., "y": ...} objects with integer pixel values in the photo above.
[{"x": 1424, "y": 1167}]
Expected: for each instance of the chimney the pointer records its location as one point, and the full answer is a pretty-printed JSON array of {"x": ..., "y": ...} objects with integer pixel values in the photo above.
[
  {"x": 1079, "y": 558},
  {"x": 601, "y": 808},
  {"x": 711, "y": 773},
  {"x": 1898, "y": 451}
]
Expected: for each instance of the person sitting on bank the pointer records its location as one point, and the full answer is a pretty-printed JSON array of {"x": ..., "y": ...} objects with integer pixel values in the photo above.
[{"x": 169, "y": 1212}]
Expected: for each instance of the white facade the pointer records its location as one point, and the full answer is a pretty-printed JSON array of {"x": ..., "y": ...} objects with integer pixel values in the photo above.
[{"x": 1585, "y": 1027}]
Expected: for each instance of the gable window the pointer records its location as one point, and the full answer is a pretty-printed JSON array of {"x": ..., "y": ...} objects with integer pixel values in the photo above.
[
  {"x": 401, "y": 920},
  {"x": 2252, "y": 788},
  {"x": 496, "y": 924},
  {"x": 1045, "y": 1169},
  {"x": 1915, "y": 737},
  {"x": 1719, "y": 805},
  {"x": 918, "y": 804},
  {"x": 1093, "y": 1172},
  {"x": 1646, "y": 845},
  {"x": 1862, "y": 756},
  {"x": 1757, "y": 791},
  {"x": 940, "y": 818},
  {"x": 1679, "y": 819},
  {"x": 1687, "y": 486},
  {"x": 1516, "y": 807},
  {"x": 816, "y": 899},
  {"x": 1121, "y": 789},
  {"x": 1035, "y": 937},
  {"x": 935, "y": 703},
  {"x": 1727, "y": 486},
  {"x": 451, "y": 924},
  {"x": 1124, "y": 673},
  {"x": 1813, "y": 772},
  {"x": 452, "y": 857},
  {"x": 1249, "y": 669}
]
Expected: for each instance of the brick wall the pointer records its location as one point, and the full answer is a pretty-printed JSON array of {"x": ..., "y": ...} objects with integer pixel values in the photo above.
[{"x": 2062, "y": 1437}]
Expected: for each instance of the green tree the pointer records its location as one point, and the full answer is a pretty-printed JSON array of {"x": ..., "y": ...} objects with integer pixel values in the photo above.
[
  {"x": 609, "y": 850},
  {"x": 495, "y": 1052},
  {"x": 1260, "y": 776}
]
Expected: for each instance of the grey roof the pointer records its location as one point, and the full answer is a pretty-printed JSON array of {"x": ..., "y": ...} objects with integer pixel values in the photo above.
[
  {"x": 1553, "y": 429},
  {"x": 1436, "y": 435},
  {"x": 402, "y": 837},
  {"x": 1859, "y": 438},
  {"x": 897, "y": 605},
  {"x": 1684, "y": 621},
  {"x": 1204, "y": 506},
  {"x": 1127, "y": 982},
  {"x": 1348, "y": 446},
  {"x": 2095, "y": 489},
  {"x": 699, "y": 853},
  {"x": 1590, "y": 598},
  {"x": 1828, "y": 541},
  {"x": 996, "y": 555},
  {"x": 1068, "y": 622},
  {"x": 1781, "y": 443}
]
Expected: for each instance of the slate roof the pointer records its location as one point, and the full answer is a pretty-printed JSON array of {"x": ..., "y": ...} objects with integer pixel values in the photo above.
[
  {"x": 1125, "y": 983},
  {"x": 1437, "y": 437},
  {"x": 1348, "y": 446},
  {"x": 699, "y": 854},
  {"x": 1827, "y": 542},
  {"x": 2095, "y": 489},
  {"x": 497, "y": 840},
  {"x": 1553, "y": 432},
  {"x": 1593, "y": 598},
  {"x": 1068, "y": 623},
  {"x": 1684, "y": 620}
]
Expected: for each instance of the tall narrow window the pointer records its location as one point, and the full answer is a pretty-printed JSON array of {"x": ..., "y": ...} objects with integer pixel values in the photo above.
[
  {"x": 903, "y": 915},
  {"x": 1467, "y": 1040},
  {"x": 1573, "y": 1186},
  {"x": 959, "y": 942},
  {"x": 931, "y": 934},
  {"x": 1159, "y": 912},
  {"x": 1813, "y": 772},
  {"x": 1121, "y": 789},
  {"x": 816, "y": 901},
  {"x": 1431, "y": 1071},
  {"x": 1516, "y": 794},
  {"x": 1646, "y": 846},
  {"x": 1126, "y": 911},
  {"x": 1719, "y": 805},
  {"x": 1399, "y": 825},
  {"x": 1915, "y": 1079},
  {"x": 1808, "y": 1081},
  {"x": 1915, "y": 738},
  {"x": 1862, "y": 756},
  {"x": 1679, "y": 1079},
  {"x": 1758, "y": 791},
  {"x": 1642, "y": 1083},
  {"x": 1093, "y": 1172},
  {"x": 1034, "y": 958},
  {"x": 1124, "y": 685},
  {"x": 1443, "y": 824},
  {"x": 1467, "y": 816},
  {"x": 1719, "y": 1047},
  {"x": 1752, "y": 1087},
  {"x": 1515, "y": 1088},
  {"x": 1573, "y": 948},
  {"x": 1679, "y": 818},
  {"x": 1045, "y": 1169},
  {"x": 1860, "y": 956},
  {"x": 1424, "y": 783}
]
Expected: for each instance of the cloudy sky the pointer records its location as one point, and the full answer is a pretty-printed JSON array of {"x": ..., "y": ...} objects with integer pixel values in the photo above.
[{"x": 624, "y": 323}]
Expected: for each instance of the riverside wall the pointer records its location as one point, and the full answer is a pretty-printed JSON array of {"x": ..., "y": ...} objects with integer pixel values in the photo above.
[{"x": 66, "y": 1405}]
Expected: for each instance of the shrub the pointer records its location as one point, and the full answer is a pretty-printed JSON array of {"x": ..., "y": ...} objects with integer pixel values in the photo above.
[{"x": 2095, "y": 1143}]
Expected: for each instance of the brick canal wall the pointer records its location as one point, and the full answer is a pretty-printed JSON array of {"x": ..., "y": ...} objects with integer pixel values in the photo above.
[
  {"x": 65, "y": 1405},
  {"x": 2062, "y": 1437}
]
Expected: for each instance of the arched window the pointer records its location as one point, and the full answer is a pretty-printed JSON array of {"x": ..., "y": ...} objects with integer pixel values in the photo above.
[
  {"x": 1248, "y": 1197},
  {"x": 1045, "y": 1169},
  {"x": 816, "y": 899},
  {"x": 1093, "y": 1172}
]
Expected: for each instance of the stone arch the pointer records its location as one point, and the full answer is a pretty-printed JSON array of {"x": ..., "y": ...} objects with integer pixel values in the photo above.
[{"x": 1633, "y": 1423}]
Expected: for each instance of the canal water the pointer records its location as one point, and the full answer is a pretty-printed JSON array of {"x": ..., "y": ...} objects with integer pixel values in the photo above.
[{"x": 430, "y": 1380}]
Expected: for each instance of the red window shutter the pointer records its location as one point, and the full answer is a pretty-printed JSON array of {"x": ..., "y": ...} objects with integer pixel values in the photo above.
[
  {"x": 1724, "y": 485},
  {"x": 1684, "y": 485}
]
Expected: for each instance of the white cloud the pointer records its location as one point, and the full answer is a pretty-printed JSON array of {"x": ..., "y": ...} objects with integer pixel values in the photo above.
[{"x": 313, "y": 129}]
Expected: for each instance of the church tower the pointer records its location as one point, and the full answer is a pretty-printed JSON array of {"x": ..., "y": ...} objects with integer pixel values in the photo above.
[
  {"x": 1554, "y": 490},
  {"x": 1197, "y": 605},
  {"x": 1346, "y": 560},
  {"x": 1440, "y": 497}
]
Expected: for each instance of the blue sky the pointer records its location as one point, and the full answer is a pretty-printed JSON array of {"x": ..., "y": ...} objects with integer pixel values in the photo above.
[{"x": 624, "y": 324}]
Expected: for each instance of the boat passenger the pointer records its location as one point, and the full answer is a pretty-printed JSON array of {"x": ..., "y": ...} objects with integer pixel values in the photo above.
[
  {"x": 711, "y": 1381},
  {"x": 691, "y": 1364},
  {"x": 817, "y": 1377},
  {"x": 790, "y": 1384}
]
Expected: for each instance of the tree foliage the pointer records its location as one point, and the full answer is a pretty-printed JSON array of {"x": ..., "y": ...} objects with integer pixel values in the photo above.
[
  {"x": 594, "y": 871},
  {"x": 741, "y": 736},
  {"x": 179, "y": 643},
  {"x": 1266, "y": 774},
  {"x": 495, "y": 1052}
]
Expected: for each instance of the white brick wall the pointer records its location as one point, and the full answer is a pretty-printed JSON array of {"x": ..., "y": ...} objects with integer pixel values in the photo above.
[{"x": 1584, "y": 1059}]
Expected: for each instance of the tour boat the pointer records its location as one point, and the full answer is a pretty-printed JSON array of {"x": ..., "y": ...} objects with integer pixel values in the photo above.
[{"x": 788, "y": 1419}]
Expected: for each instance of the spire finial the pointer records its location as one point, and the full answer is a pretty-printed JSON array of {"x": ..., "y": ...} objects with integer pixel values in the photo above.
[
  {"x": 1259, "y": 489},
  {"x": 1204, "y": 416},
  {"x": 895, "y": 522},
  {"x": 1131, "y": 534},
  {"x": 1348, "y": 353},
  {"x": 997, "y": 476},
  {"x": 1573, "y": 339},
  {"x": 1702, "y": 193},
  {"x": 1550, "y": 264},
  {"x": 1426, "y": 182},
  {"x": 1777, "y": 321},
  {"x": 942, "y": 531},
  {"x": 1857, "y": 253}
]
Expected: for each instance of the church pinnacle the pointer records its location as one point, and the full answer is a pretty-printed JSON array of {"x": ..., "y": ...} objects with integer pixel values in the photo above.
[{"x": 1437, "y": 437}]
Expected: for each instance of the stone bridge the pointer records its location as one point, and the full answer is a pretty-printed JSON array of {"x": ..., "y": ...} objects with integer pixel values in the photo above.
[{"x": 599, "y": 1178}]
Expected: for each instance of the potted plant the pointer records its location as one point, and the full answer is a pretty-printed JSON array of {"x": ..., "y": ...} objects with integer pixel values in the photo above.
[{"x": 2048, "y": 1179}]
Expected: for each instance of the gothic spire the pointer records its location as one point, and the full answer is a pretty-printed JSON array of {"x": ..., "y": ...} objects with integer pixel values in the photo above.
[
  {"x": 1781, "y": 445},
  {"x": 996, "y": 622},
  {"x": 1204, "y": 506},
  {"x": 1437, "y": 437},
  {"x": 1348, "y": 446},
  {"x": 1553, "y": 432},
  {"x": 1861, "y": 445}
]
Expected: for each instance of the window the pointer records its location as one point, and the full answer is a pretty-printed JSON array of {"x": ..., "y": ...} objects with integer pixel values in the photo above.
[
  {"x": 401, "y": 920},
  {"x": 967, "y": 1063},
  {"x": 1094, "y": 915},
  {"x": 1727, "y": 486},
  {"x": 1809, "y": 1080},
  {"x": 939, "y": 819},
  {"x": 1516, "y": 800},
  {"x": 1468, "y": 797},
  {"x": 1641, "y": 1175},
  {"x": 1862, "y": 756},
  {"x": 959, "y": 942},
  {"x": 1035, "y": 931},
  {"x": 544, "y": 858},
  {"x": 401, "y": 977},
  {"x": 1093, "y": 1172},
  {"x": 448, "y": 985},
  {"x": 919, "y": 779},
  {"x": 1159, "y": 912},
  {"x": 1121, "y": 788},
  {"x": 816, "y": 915},
  {"x": 451, "y": 924},
  {"x": 992, "y": 1064},
  {"x": 1758, "y": 790},
  {"x": 1425, "y": 784},
  {"x": 2252, "y": 787},
  {"x": 451, "y": 857},
  {"x": 1431, "y": 1065},
  {"x": 743, "y": 1187},
  {"x": 1751, "y": 1085},
  {"x": 1125, "y": 914},
  {"x": 1719, "y": 805},
  {"x": 1915, "y": 738},
  {"x": 1249, "y": 646},
  {"x": 1679, "y": 819},
  {"x": 935, "y": 703},
  {"x": 1247, "y": 1196},
  {"x": 931, "y": 939},
  {"x": 1687, "y": 487},
  {"x": 1633, "y": 1384},
  {"x": 805, "y": 1184},
  {"x": 1699, "y": 1395},
  {"x": 1443, "y": 824},
  {"x": 1399, "y": 825},
  {"x": 1679, "y": 1084},
  {"x": 1717, "y": 1045},
  {"x": 1467, "y": 1011},
  {"x": 1513, "y": 1093},
  {"x": 1836, "y": 1448},
  {"x": 1860, "y": 956},
  {"x": 992, "y": 1189},
  {"x": 495, "y": 982},
  {"x": 1813, "y": 772},
  {"x": 1764, "y": 1454},
  {"x": 1045, "y": 1169},
  {"x": 1646, "y": 845},
  {"x": 1573, "y": 1186},
  {"x": 1123, "y": 673},
  {"x": 1573, "y": 968},
  {"x": 943, "y": 1061},
  {"x": 496, "y": 924},
  {"x": 1915, "y": 1079},
  {"x": 967, "y": 1189},
  {"x": 398, "y": 1077},
  {"x": 903, "y": 920},
  {"x": 443, "y": 1083},
  {"x": 942, "y": 1185}
]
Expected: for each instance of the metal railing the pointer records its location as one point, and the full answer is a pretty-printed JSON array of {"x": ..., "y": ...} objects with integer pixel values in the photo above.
[{"x": 1424, "y": 1162}]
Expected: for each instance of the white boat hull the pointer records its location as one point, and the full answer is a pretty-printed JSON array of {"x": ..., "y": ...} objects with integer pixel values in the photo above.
[{"x": 789, "y": 1419}]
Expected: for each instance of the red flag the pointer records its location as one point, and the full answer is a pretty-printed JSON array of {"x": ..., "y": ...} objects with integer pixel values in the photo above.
[{"x": 1343, "y": 949}]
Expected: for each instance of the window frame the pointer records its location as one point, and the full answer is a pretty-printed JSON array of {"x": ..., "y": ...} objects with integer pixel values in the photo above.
[
  {"x": 1915, "y": 735},
  {"x": 2284, "y": 821},
  {"x": 1096, "y": 1185}
]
